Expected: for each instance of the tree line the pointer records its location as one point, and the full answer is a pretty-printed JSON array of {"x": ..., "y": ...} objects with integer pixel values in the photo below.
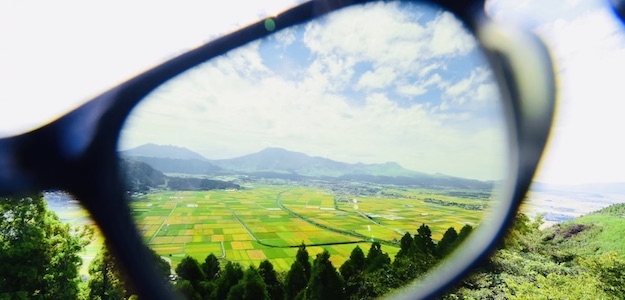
[
  {"x": 40, "y": 259},
  {"x": 360, "y": 277}
]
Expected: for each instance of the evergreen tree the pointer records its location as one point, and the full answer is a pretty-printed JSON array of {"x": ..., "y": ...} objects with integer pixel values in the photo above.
[
  {"x": 231, "y": 275},
  {"x": 376, "y": 259},
  {"x": 423, "y": 240},
  {"x": 325, "y": 282},
  {"x": 296, "y": 280},
  {"x": 303, "y": 258},
  {"x": 443, "y": 248},
  {"x": 270, "y": 277},
  {"x": 406, "y": 245},
  {"x": 354, "y": 265},
  {"x": 189, "y": 269},
  {"x": 464, "y": 233},
  {"x": 39, "y": 255},
  {"x": 211, "y": 267},
  {"x": 251, "y": 287},
  {"x": 106, "y": 281}
]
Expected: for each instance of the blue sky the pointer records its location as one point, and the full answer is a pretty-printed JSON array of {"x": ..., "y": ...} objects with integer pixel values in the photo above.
[
  {"x": 372, "y": 84},
  {"x": 86, "y": 53}
]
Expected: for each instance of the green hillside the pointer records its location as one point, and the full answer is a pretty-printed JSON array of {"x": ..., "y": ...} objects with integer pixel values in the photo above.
[
  {"x": 580, "y": 259},
  {"x": 603, "y": 233}
]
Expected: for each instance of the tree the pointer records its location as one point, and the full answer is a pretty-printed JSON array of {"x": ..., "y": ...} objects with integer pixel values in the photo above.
[
  {"x": 423, "y": 240},
  {"x": 189, "y": 269},
  {"x": 303, "y": 258},
  {"x": 443, "y": 248},
  {"x": 251, "y": 287},
  {"x": 376, "y": 259},
  {"x": 325, "y": 282},
  {"x": 462, "y": 235},
  {"x": 39, "y": 255},
  {"x": 106, "y": 282},
  {"x": 354, "y": 265},
  {"x": 211, "y": 267},
  {"x": 406, "y": 245},
  {"x": 270, "y": 277},
  {"x": 231, "y": 275},
  {"x": 296, "y": 280}
]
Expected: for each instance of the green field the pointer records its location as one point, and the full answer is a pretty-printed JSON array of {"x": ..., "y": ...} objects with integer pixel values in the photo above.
[{"x": 271, "y": 221}]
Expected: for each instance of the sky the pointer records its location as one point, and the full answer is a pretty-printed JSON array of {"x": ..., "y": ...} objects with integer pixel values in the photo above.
[
  {"x": 55, "y": 57},
  {"x": 411, "y": 87}
]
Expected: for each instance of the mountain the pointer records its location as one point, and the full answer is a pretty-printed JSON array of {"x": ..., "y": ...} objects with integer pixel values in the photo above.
[
  {"x": 163, "y": 151},
  {"x": 171, "y": 159},
  {"x": 141, "y": 177},
  {"x": 279, "y": 160},
  {"x": 284, "y": 164},
  {"x": 177, "y": 165}
]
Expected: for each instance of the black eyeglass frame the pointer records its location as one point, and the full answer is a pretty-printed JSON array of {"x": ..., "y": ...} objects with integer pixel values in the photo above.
[{"x": 77, "y": 153}]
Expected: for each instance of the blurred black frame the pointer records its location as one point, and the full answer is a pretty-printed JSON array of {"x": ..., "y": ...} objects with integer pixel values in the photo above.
[{"x": 77, "y": 153}]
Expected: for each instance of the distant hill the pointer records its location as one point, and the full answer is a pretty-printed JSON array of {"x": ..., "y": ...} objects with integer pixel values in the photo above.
[
  {"x": 177, "y": 165},
  {"x": 141, "y": 177},
  {"x": 596, "y": 233},
  {"x": 279, "y": 160},
  {"x": 163, "y": 151},
  {"x": 284, "y": 164}
]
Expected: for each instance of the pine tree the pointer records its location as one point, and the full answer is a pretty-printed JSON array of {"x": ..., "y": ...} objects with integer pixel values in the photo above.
[
  {"x": 211, "y": 267},
  {"x": 443, "y": 248},
  {"x": 462, "y": 235},
  {"x": 325, "y": 282},
  {"x": 296, "y": 280},
  {"x": 406, "y": 245},
  {"x": 189, "y": 269},
  {"x": 354, "y": 265},
  {"x": 303, "y": 258},
  {"x": 423, "y": 240},
  {"x": 376, "y": 259},
  {"x": 231, "y": 275},
  {"x": 270, "y": 277},
  {"x": 250, "y": 287}
]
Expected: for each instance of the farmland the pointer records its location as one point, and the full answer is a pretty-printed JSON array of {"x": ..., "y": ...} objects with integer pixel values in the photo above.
[{"x": 269, "y": 221}]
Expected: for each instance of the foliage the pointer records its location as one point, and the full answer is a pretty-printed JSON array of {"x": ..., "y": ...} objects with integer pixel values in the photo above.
[
  {"x": 325, "y": 282},
  {"x": 250, "y": 287},
  {"x": 231, "y": 275},
  {"x": 296, "y": 280},
  {"x": 270, "y": 277},
  {"x": 39, "y": 255},
  {"x": 423, "y": 240},
  {"x": 444, "y": 246},
  {"x": 106, "y": 280},
  {"x": 189, "y": 269},
  {"x": 547, "y": 264},
  {"x": 210, "y": 267}
]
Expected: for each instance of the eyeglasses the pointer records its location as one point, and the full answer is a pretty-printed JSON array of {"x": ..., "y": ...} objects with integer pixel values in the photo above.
[{"x": 78, "y": 152}]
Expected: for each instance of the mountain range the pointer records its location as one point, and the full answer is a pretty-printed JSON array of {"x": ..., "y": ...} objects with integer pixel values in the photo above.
[{"x": 282, "y": 163}]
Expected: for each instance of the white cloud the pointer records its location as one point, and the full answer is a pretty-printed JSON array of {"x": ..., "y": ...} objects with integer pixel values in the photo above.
[
  {"x": 380, "y": 78},
  {"x": 447, "y": 39},
  {"x": 421, "y": 87},
  {"x": 235, "y": 106}
]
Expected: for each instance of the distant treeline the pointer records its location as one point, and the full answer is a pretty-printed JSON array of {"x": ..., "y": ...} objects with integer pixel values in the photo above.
[{"x": 467, "y": 206}]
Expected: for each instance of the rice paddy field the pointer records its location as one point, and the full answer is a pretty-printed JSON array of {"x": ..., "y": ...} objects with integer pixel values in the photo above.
[{"x": 271, "y": 221}]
